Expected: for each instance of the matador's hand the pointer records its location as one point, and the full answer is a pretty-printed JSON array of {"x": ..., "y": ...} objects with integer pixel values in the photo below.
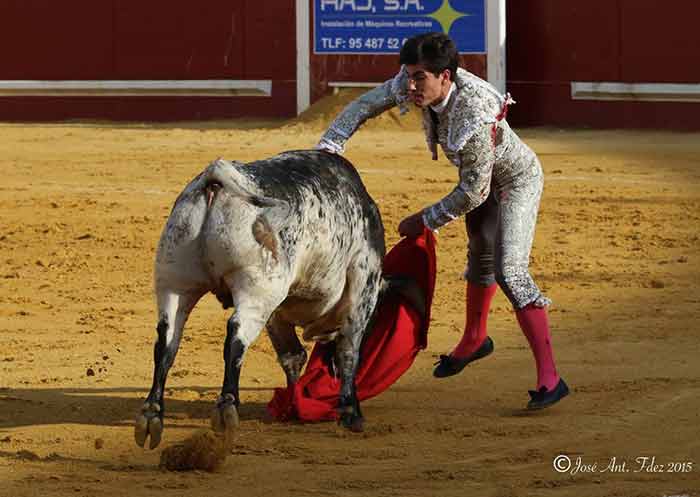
[
  {"x": 329, "y": 146},
  {"x": 412, "y": 226}
]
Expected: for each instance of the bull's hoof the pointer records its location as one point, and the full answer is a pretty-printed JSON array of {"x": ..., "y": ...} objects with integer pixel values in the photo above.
[
  {"x": 224, "y": 419},
  {"x": 352, "y": 422},
  {"x": 149, "y": 422}
]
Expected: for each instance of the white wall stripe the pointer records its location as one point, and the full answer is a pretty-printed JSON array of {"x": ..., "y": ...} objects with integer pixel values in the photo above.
[
  {"x": 352, "y": 84},
  {"x": 643, "y": 92},
  {"x": 208, "y": 88}
]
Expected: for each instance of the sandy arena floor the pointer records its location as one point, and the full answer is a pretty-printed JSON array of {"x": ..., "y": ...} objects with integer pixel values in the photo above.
[{"x": 82, "y": 206}]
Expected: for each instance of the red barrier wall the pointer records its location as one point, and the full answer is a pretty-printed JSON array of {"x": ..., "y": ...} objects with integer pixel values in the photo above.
[
  {"x": 158, "y": 39},
  {"x": 551, "y": 43}
]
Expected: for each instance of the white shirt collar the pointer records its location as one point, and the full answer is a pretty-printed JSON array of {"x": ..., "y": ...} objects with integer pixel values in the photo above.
[{"x": 441, "y": 106}]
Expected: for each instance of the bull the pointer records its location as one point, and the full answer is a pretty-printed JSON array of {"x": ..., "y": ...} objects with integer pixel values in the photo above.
[{"x": 293, "y": 240}]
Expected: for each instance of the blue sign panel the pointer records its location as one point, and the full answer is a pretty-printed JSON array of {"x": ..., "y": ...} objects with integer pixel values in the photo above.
[{"x": 381, "y": 26}]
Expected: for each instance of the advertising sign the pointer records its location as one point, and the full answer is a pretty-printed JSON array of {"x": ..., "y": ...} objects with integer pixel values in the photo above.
[{"x": 381, "y": 26}]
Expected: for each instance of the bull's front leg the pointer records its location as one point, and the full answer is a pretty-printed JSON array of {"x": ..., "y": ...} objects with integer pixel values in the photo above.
[
  {"x": 348, "y": 358},
  {"x": 290, "y": 352},
  {"x": 363, "y": 292},
  {"x": 173, "y": 310}
]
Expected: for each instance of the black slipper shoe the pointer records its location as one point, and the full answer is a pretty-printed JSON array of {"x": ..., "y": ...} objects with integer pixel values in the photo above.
[
  {"x": 544, "y": 398},
  {"x": 449, "y": 366}
]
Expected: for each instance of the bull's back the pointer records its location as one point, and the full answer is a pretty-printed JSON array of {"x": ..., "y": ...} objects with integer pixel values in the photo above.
[
  {"x": 331, "y": 219},
  {"x": 325, "y": 193}
]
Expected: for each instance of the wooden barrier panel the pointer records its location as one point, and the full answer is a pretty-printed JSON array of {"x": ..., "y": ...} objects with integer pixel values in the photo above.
[
  {"x": 552, "y": 44},
  {"x": 45, "y": 39},
  {"x": 117, "y": 41}
]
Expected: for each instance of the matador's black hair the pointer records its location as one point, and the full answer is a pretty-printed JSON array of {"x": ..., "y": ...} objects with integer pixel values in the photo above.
[{"x": 436, "y": 51}]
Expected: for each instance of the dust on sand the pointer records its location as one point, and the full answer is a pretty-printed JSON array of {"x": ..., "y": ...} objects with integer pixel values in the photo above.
[
  {"x": 616, "y": 249},
  {"x": 203, "y": 450}
]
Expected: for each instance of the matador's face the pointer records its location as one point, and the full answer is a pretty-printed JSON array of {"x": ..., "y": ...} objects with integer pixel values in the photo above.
[{"x": 425, "y": 88}]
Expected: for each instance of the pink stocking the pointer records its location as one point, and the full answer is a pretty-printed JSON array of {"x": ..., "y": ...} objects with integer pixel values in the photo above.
[
  {"x": 478, "y": 304},
  {"x": 533, "y": 321}
]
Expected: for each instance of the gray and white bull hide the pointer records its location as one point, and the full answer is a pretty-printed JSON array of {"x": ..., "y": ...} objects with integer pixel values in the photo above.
[{"x": 294, "y": 240}]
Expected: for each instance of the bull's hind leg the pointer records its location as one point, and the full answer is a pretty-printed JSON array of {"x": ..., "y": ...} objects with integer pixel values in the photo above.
[
  {"x": 254, "y": 303},
  {"x": 290, "y": 352},
  {"x": 364, "y": 287},
  {"x": 173, "y": 310},
  {"x": 242, "y": 328}
]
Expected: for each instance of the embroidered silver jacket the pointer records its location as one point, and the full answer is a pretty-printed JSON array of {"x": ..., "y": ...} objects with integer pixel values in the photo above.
[{"x": 464, "y": 131}]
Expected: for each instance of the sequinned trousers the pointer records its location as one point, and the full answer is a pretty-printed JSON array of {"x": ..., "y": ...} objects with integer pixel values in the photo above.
[{"x": 501, "y": 231}]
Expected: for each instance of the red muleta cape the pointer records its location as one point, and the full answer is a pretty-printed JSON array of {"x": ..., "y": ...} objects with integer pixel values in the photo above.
[{"x": 387, "y": 352}]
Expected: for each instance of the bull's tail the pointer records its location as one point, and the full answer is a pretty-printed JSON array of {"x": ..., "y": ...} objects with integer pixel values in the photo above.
[{"x": 222, "y": 174}]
